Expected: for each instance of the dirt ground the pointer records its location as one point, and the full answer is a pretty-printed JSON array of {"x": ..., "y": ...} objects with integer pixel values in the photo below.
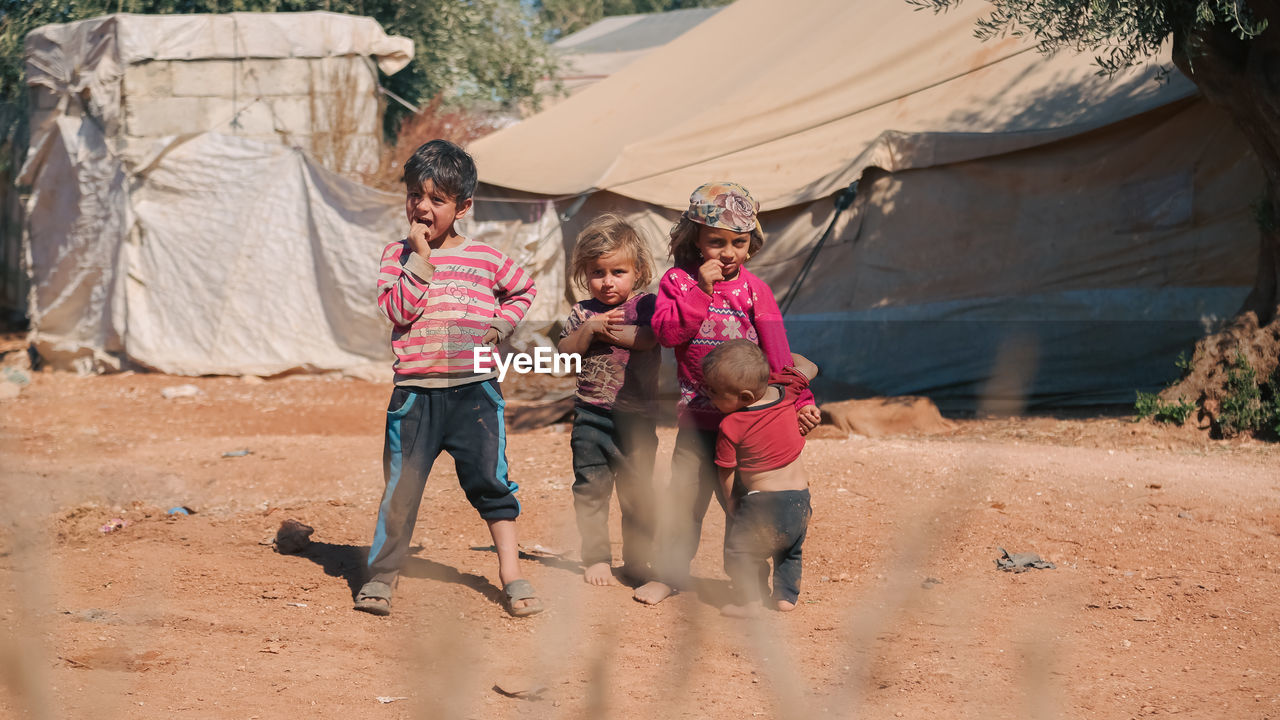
[{"x": 1164, "y": 599}]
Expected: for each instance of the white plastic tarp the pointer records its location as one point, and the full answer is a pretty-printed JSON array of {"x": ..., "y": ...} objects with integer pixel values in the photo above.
[
  {"x": 80, "y": 203},
  {"x": 223, "y": 255},
  {"x": 211, "y": 254},
  {"x": 227, "y": 256}
]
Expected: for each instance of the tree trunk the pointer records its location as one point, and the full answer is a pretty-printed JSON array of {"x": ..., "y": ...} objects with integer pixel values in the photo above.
[{"x": 1243, "y": 77}]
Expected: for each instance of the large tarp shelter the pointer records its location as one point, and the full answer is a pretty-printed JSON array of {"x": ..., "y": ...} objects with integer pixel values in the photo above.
[
  {"x": 207, "y": 245},
  {"x": 1021, "y": 222},
  {"x": 179, "y": 218}
]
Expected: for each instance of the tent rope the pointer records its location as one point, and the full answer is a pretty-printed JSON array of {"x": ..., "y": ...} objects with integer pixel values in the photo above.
[{"x": 843, "y": 199}]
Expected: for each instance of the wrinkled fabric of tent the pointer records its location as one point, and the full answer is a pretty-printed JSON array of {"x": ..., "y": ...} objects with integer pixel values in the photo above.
[
  {"x": 200, "y": 254},
  {"x": 224, "y": 255},
  {"x": 87, "y": 58},
  {"x": 1024, "y": 229},
  {"x": 818, "y": 93}
]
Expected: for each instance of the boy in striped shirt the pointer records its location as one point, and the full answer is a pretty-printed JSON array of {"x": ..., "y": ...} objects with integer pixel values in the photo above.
[{"x": 445, "y": 296}]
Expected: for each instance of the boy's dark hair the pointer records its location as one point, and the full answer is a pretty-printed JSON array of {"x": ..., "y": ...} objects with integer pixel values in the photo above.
[{"x": 445, "y": 164}]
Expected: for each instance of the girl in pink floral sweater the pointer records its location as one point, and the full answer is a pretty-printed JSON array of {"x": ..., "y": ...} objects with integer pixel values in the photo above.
[{"x": 709, "y": 298}]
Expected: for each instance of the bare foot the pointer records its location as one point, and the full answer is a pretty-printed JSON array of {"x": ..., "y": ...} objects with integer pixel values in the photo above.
[
  {"x": 600, "y": 574},
  {"x": 740, "y": 611},
  {"x": 784, "y": 606},
  {"x": 653, "y": 592},
  {"x": 527, "y": 604}
]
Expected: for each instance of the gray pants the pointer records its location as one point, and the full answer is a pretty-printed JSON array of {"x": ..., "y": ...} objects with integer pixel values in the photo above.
[{"x": 614, "y": 449}]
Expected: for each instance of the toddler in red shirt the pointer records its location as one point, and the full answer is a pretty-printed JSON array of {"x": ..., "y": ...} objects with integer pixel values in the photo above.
[{"x": 759, "y": 442}]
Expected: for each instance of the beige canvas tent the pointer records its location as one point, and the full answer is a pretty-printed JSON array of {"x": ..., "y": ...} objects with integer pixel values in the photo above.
[
  {"x": 610, "y": 44},
  {"x": 1086, "y": 227}
]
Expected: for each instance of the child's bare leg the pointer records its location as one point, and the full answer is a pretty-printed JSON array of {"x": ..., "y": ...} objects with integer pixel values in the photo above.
[
  {"x": 653, "y": 592},
  {"x": 600, "y": 573},
  {"x": 784, "y": 606},
  {"x": 503, "y": 533},
  {"x": 694, "y": 479}
]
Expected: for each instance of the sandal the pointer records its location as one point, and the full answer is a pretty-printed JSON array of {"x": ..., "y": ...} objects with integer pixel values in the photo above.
[
  {"x": 374, "y": 598},
  {"x": 521, "y": 590}
]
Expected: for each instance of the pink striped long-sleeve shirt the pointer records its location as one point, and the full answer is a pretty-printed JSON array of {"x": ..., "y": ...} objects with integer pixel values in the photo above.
[
  {"x": 441, "y": 309},
  {"x": 694, "y": 323}
]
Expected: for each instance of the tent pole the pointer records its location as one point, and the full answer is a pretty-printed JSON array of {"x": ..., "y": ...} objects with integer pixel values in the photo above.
[
  {"x": 844, "y": 199},
  {"x": 573, "y": 209}
]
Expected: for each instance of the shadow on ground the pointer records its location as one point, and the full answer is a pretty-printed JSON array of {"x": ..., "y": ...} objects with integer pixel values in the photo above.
[{"x": 348, "y": 562}]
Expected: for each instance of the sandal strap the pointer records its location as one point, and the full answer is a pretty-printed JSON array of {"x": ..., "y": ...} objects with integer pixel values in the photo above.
[
  {"x": 519, "y": 590},
  {"x": 374, "y": 590}
]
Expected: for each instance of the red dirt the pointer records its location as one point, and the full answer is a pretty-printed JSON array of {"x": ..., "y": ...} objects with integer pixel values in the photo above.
[{"x": 1164, "y": 599}]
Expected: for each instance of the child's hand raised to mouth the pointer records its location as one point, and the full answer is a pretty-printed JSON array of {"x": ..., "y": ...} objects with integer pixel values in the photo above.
[
  {"x": 710, "y": 273},
  {"x": 418, "y": 233}
]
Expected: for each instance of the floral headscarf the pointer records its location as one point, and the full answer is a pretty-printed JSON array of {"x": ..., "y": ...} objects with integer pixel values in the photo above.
[{"x": 725, "y": 205}]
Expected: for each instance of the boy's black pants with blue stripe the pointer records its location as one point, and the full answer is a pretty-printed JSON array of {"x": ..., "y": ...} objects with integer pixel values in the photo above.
[{"x": 465, "y": 421}]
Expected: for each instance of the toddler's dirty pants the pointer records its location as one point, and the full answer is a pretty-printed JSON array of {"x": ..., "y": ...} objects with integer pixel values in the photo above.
[
  {"x": 614, "y": 449},
  {"x": 767, "y": 526}
]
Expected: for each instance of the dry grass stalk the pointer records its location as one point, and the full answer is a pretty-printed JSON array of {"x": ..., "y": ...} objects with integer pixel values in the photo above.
[
  {"x": 435, "y": 120},
  {"x": 336, "y": 105}
]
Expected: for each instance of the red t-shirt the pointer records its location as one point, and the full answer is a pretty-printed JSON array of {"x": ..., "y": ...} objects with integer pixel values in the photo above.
[{"x": 755, "y": 439}]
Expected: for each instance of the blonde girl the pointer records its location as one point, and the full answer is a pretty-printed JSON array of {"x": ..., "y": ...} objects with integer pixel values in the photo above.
[{"x": 614, "y": 437}]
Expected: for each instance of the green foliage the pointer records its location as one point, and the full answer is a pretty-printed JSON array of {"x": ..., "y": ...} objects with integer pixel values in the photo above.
[
  {"x": 478, "y": 51},
  {"x": 565, "y": 17},
  {"x": 1121, "y": 32},
  {"x": 1271, "y": 404},
  {"x": 1149, "y": 405},
  {"x": 1242, "y": 403},
  {"x": 1183, "y": 362},
  {"x": 1247, "y": 406},
  {"x": 1250, "y": 406}
]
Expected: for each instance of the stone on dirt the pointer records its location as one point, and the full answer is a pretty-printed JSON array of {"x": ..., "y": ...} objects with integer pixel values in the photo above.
[
  {"x": 293, "y": 537},
  {"x": 179, "y": 391}
]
